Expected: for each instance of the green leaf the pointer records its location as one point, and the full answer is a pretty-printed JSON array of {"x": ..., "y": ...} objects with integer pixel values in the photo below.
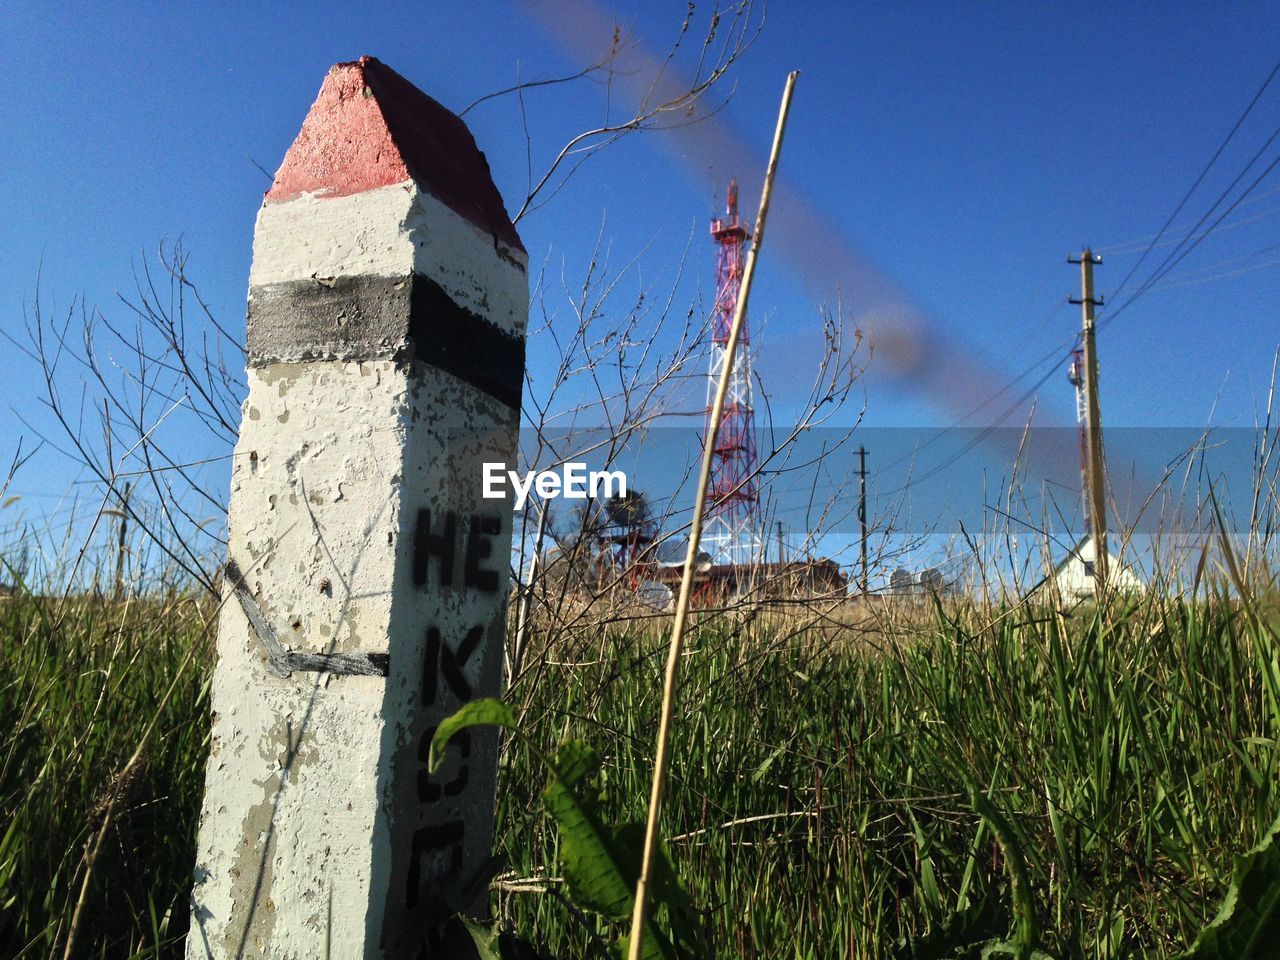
[
  {"x": 484, "y": 937},
  {"x": 763, "y": 769},
  {"x": 656, "y": 946},
  {"x": 591, "y": 866},
  {"x": 1248, "y": 923},
  {"x": 488, "y": 712},
  {"x": 491, "y": 943},
  {"x": 1026, "y": 931},
  {"x": 602, "y": 862},
  {"x": 665, "y": 890}
]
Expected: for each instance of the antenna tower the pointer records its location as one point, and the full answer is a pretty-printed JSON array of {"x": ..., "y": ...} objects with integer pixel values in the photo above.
[
  {"x": 1075, "y": 374},
  {"x": 731, "y": 534}
]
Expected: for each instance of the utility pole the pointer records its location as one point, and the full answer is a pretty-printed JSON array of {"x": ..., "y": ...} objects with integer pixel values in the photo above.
[
  {"x": 862, "y": 511},
  {"x": 1093, "y": 417},
  {"x": 781, "y": 554}
]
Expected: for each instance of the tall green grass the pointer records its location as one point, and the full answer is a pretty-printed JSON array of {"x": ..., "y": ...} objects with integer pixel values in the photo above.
[
  {"x": 81, "y": 681},
  {"x": 821, "y": 805},
  {"x": 821, "y": 800}
]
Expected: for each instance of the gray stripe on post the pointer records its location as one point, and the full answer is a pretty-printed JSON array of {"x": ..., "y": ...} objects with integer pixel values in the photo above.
[{"x": 383, "y": 318}]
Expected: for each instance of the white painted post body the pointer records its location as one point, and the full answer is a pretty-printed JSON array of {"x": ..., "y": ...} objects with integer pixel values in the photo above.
[{"x": 367, "y": 578}]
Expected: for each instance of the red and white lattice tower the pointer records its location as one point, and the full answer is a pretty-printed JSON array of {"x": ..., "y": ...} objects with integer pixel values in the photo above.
[
  {"x": 1075, "y": 374},
  {"x": 731, "y": 534}
]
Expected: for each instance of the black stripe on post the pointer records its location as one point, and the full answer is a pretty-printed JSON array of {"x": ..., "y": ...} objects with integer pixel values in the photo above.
[{"x": 383, "y": 318}]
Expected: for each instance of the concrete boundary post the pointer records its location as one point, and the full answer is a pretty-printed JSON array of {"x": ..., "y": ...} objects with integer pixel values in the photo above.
[{"x": 367, "y": 578}]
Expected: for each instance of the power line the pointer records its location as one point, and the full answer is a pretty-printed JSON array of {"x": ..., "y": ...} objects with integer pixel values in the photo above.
[
  {"x": 1170, "y": 261},
  {"x": 1214, "y": 226},
  {"x": 1133, "y": 246},
  {"x": 1053, "y": 353},
  {"x": 1203, "y": 173},
  {"x": 980, "y": 438},
  {"x": 1239, "y": 271}
]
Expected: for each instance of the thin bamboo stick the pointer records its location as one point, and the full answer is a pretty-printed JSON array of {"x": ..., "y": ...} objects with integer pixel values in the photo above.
[{"x": 639, "y": 914}]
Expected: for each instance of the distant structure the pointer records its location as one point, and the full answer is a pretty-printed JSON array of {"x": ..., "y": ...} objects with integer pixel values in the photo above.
[
  {"x": 930, "y": 582},
  {"x": 901, "y": 582},
  {"x": 629, "y": 551},
  {"x": 1073, "y": 579},
  {"x": 626, "y": 537},
  {"x": 715, "y": 583},
  {"x": 731, "y": 534}
]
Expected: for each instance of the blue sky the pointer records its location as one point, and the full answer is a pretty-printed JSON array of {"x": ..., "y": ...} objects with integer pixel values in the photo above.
[{"x": 963, "y": 149}]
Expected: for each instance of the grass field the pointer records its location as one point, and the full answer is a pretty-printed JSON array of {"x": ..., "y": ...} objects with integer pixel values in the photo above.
[{"x": 821, "y": 804}]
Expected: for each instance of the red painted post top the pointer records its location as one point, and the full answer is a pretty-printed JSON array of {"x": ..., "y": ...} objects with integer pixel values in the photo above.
[{"x": 369, "y": 128}]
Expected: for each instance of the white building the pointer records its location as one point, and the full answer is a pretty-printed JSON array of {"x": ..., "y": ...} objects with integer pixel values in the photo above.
[{"x": 1074, "y": 575}]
